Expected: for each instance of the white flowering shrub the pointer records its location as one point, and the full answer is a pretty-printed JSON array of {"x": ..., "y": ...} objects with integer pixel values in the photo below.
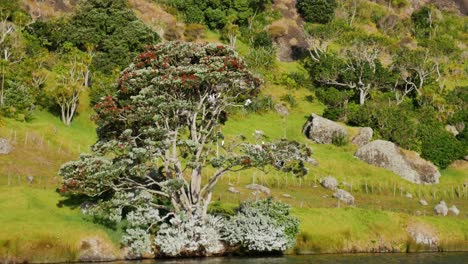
[
  {"x": 138, "y": 241},
  {"x": 263, "y": 226},
  {"x": 190, "y": 236}
]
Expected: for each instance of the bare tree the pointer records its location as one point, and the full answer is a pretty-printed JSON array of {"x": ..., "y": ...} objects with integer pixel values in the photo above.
[{"x": 415, "y": 68}]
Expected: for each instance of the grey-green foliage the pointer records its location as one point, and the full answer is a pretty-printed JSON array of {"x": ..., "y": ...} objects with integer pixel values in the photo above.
[
  {"x": 190, "y": 235},
  {"x": 263, "y": 226}
]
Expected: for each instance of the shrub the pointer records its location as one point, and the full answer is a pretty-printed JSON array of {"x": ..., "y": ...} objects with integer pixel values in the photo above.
[
  {"x": 339, "y": 139},
  {"x": 260, "y": 104},
  {"x": 194, "y": 32},
  {"x": 263, "y": 226},
  {"x": 317, "y": 11},
  {"x": 440, "y": 146},
  {"x": 262, "y": 39},
  {"x": 289, "y": 99},
  {"x": 191, "y": 236}
]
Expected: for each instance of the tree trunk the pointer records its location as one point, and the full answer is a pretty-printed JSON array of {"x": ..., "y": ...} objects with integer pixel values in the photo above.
[{"x": 362, "y": 97}]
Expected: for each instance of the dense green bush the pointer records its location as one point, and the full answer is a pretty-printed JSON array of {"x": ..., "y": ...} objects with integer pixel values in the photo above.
[
  {"x": 262, "y": 39},
  {"x": 440, "y": 146},
  {"x": 317, "y": 11},
  {"x": 108, "y": 28}
]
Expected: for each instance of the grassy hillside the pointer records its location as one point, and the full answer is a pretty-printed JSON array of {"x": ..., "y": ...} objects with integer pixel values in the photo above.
[
  {"x": 35, "y": 227},
  {"x": 381, "y": 216}
]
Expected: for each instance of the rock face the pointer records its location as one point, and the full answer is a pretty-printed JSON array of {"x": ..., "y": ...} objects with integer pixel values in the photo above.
[
  {"x": 5, "y": 146},
  {"x": 454, "y": 210},
  {"x": 363, "y": 137},
  {"x": 441, "y": 208},
  {"x": 409, "y": 166},
  {"x": 423, "y": 235},
  {"x": 322, "y": 130},
  {"x": 329, "y": 183},
  {"x": 344, "y": 196},
  {"x": 93, "y": 249},
  {"x": 258, "y": 187}
]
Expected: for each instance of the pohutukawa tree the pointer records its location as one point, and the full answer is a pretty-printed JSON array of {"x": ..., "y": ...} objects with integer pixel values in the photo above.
[{"x": 158, "y": 133}]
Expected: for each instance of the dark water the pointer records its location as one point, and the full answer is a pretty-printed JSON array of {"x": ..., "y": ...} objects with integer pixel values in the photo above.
[{"x": 416, "y": 258}]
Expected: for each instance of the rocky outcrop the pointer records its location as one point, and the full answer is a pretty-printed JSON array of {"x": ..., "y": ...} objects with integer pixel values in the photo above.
[
  {"x": 423, "y": 235},
  {"x": 363, "y": 137},
  {"x": 408, "y": 165},
  {"x": 5, "y": 146},
  {"x": 344, "y": 196},
  {"x": 441, "y": 208},
  {"x": 258, "y": 187},
  {"x": 322, "y": 130},
  {"x": 329, "y": 183},
  {"x": 93, "y": 249}
]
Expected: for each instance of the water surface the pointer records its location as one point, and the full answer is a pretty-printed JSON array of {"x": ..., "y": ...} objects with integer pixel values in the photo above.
[{"x": 389, "y": 258}]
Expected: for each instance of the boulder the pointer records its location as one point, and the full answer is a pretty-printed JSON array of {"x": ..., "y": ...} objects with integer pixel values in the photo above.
[
  {"x": 5, "y": 146},
  {"x": 423, "y": 202},
  {"x": 312, "y": 161},
  {"x": 452, "y": 129},
  {"x": 233, "y": 190},
  {"x": 441, "y": 208},
  {"x": 93, "y": 249},
  {"x": 322, "y": 130},
  {"x": 258, "y": 187},
  {"x": 30, "y": 179},
  {"x": 409, "y": 195},
  {"x": 344, "y": 196},
  {"x": 454, "y": 210},
  {"x": 329, "y": 183},
  {"x": 363, "y": 137},
  {"x": 409, "y": 165}
]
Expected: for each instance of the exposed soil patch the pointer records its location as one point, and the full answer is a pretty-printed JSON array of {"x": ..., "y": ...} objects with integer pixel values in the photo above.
[{"x": 292, "y": 40}]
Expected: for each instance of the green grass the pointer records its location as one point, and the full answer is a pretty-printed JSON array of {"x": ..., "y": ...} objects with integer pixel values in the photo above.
[
  {"x": 34, "y": 228},
  {"x": 357, "y": 230}
]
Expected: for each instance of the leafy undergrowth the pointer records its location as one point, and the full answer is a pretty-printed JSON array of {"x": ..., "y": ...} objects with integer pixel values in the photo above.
[{"x": 34, "y": 228}]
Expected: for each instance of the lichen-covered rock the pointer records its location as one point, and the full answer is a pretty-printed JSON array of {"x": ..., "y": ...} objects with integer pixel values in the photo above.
[
  {"x": 94, "y": 249},
  {"x": 423, "y": 235},
  {"x": 233, "y": 190},
  {"x": 5, "y": 146},
  {"x": 441, "y": 208},
  {"x": 423, "y": 202},
  {"x": 344, "y": 196},
  {"x": 312, "y": 161},
  {"x": 409, "y": 165},
  {"x": 258, "y": 187},
  {"x": 322, "y": 130},
  {"x": 452, "y": 129},
  {"x": 363, "y": 137},
  {"x": 454, "y": 210},
  {"x": 329, "y": 183}
]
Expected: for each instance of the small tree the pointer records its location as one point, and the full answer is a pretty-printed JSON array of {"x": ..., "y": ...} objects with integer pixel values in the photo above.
[
  {"x": 158, "y": 133},
  {"x": 69, "y": 82},
  {"x": 415, "y": 68},
  {"x": 357, "y": 68}
]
